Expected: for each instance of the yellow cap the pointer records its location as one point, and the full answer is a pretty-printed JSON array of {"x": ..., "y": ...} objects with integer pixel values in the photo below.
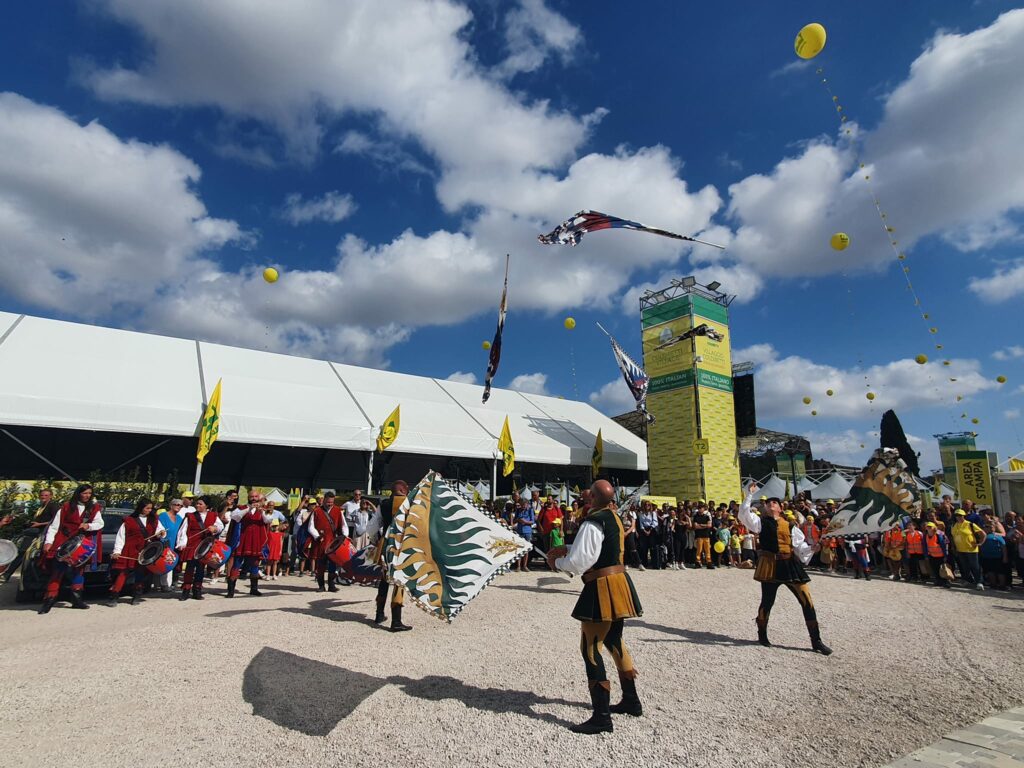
[
  {"x": 929, "y": 524},
  {"x": 960, "y": 512},
  {"x": 764, "y": 498}
]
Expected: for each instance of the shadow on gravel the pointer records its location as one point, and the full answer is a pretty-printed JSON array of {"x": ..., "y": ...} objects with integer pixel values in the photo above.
[
  {"x": 549, "y": 590},
  {"x": 313, "y": 697},
  {"x": 702, "y": 638},
  {"x": 321, "y": 609}
]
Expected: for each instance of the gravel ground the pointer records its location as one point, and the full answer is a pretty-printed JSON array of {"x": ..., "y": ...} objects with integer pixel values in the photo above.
[{"x": 300, "y": 678}]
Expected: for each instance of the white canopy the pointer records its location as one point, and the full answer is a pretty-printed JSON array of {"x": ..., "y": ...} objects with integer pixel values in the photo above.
[
  {"x": 835, "y": 486},
  {"x": 100, "y": 379},
  {"x": 806, "y": 485},
  {"x": 773, "y": 486}
]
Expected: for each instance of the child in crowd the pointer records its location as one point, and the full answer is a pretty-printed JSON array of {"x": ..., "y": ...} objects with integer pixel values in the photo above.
[
  {"x": 275, "y": 546},
  {"x": 735, "y": 546},
  {"x": 748, "y": 548}
]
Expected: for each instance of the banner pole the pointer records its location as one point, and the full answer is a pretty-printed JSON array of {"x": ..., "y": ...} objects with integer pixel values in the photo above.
[
  {"x": 199, "y": 474},
  {"x": 369, "y": 476}
]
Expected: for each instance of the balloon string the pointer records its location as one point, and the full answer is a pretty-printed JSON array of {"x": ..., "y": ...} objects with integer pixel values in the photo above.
[{"x": 890, "y": 233}]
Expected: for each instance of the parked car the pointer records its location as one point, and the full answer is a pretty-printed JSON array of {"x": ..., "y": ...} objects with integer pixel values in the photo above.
[{"x": 32, "y": 581}]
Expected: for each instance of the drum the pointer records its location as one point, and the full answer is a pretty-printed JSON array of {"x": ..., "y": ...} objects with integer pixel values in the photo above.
[
  {"x": 340, "y": 551},
  {"x": 77, "y": 550},
  {"x": 156, "y": 557},
  {"x": 363, "y": 568},
  {"x": 8, "y": 552},
  {"x": 213, "y": 553}
]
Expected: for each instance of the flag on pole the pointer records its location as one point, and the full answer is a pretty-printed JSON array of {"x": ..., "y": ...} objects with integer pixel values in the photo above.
[
  {"x": 1017, "y": 465},
  {"x": 636, "y": 378},
  {"x": 508, "y": 451},
  {"x": 495, "y": 356},
  {"x": 210, "y": 427},
  {"x": 598, "y": 456},
  {"x": 389, "y": 430}
]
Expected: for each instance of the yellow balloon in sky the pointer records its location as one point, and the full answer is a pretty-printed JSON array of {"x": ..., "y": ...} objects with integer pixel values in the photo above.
[
  {"x": 921, "y": 359},
  {"x": 809, "y": 41},
  {"x": 486, "y": 345},
  {"x": 814, "y": 413},
  {"x": 807, "y": 401},
  {"x": 870, "y": 395},
  {"x": 570, "y": 323},
  {"x": 829, "y": 392},
  {"x": 840, "y": 241},
  {"x": 270, "y": 275},
  {"x": 974, "y": 421},
  {"x": 1001, "y": 379}
]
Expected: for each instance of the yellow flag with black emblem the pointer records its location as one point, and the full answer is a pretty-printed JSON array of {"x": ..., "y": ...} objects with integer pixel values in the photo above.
[
  {"x": 389, "y": 430},
  {"x": 210, "y": 427},
  {"x": 508, "y": 451},
  {"x": 597, "y": 457}
]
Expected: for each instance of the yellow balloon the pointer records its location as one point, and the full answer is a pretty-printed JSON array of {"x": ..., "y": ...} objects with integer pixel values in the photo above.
[
  {"x": 870, "y": 395},
  {"x": 1001, "y": 379},
  {"x": 814, "y": 413},
  {"x": 947, "y": 362},
  {"x": 921, "y": 359},
  {"x": 719, "y": 547},
  {"x": 959, "y": 398},
  {"x": 933, "y": 330},
  {"x": 862, "y": 445},
  {"x": 974, "y": 421},
  {"x": 569, "y": 323},
  {"x": 486, "y": 345},
  {"x": 270, "y": 275},
  {"x": 829, "y": 392},
  {"x": 840, "y": 241},
  {"x": 809, "y": 41},
  {"x": 807, "y": 401}
]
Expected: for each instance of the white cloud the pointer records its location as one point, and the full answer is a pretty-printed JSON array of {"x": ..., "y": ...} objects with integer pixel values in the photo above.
[
  {"x": 1009, "y": 353},
  {"x": 758, "y": 354},
  {"x": 530, "y": 383},
  {"x": 532, "y": 33},
  {"x": 1005, "y": 283},
  {"x": 844, "y": 447},
  {"x": 331, "y": 207},
  {"x": 957, "y": 172},
  {"x": 384, "y": 153},
  {"x": 463, "y": 378},
  {"x": 903, "y": 385},
  {"x": 613, "y": 398},
  {"x": 91, "y": 224},
  {"x": 1011, "y": 413}
]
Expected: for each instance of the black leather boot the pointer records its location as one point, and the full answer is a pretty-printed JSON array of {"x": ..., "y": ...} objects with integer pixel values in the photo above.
[
  {"x": 197, "y": 593},
  {"x": 330, "y": 583},
  {"x": 231, "y": 588},
  {"x": 76, "y": 599},
  {"x": 762, "y": 633},
  {"x": 184, "y": 593},
  {"x": 47, "y": 605},
  {"x": 380, "y": 617},
  {"x": 601, "y": 720},
  {"x": 816, "y": 644},
  {"x": 396, "y": 620},
  {"x": 320, "y": 584},
  {"x": 253, "y": 582},
  {"x": 630, "y": 704}
]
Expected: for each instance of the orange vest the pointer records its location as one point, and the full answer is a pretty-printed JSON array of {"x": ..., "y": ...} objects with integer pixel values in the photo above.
[
  {"x": 811, "y": 532},
  {"x": 894, "y": 538},
  {"x": 915, "y": 543},
  {"x": 934, "y": 545}
]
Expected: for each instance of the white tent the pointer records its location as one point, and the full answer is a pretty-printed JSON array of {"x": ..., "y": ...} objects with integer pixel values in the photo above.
[
  {"x": 835, "y": 486},
  {"x": 806, "y": 485},
  {"x": 145, "y": 384},
  {"x": 773, "y": 486},
  {"x": 277, "y": 497},
  {"x": 945, "y": 490}
]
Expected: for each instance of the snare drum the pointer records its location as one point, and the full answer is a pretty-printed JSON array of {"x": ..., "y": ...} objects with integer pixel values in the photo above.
[
  {"x": 212, "y": 553},
  {"x": 340, "y": 551},
  {"x": 362, "y": 568},
  {"x": 156, "y": 557},
  {"x": 77, "y": 550},
  {"x": 8, "y": 552}
]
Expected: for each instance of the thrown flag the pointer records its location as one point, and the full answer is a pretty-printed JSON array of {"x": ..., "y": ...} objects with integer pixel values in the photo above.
[
  {"x": 572, "y": 230},
  {"x": 444, "y": 550},
  {"x": 882, "y": 495},
  {"x": 636, "y": 378},
  {"x": 495, "y": 356}
]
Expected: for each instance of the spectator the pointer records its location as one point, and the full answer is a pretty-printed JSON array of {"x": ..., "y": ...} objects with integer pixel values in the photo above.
[
  {"x": 995, "y": 564},
  {"x": 702, "y": 535},
  {"x": 936, "y": 547},
  {"x": 350, "y": 510},
  {"x": 525, "y": 518},
  {"x": 275, "y": 547},
  {"x": 967, "y": 537},
  {"x": 171, "y": 519},
  {"x": 35, "y": 529},
  {"x": 679, "y": 532},
  {"x": 647, "y": 528},
  {"x": 893, "y": 544},
  {"x": 631, "y": 555},
  {"x": 914, "y": 541}
]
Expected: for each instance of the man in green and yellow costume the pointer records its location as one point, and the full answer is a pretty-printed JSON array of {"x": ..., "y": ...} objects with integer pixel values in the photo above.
[{"x": 607, "y": 599}]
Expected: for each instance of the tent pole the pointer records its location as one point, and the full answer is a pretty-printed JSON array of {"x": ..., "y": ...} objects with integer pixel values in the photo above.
[
  {"x": 369, "y": 476},
  {"x": 494, "y": 482},
  {"x": 199, "y": 473},
  {"x": 38, "y": 455}
]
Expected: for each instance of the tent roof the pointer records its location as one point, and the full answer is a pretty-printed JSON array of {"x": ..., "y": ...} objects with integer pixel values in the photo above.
[
  {"x": 835, "y": 486},
  {"x": 121, "y": 381},
  {"x": 773, "y": 486}
]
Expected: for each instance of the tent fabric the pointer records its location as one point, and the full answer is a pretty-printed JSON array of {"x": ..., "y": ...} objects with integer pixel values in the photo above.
[
  {"x": 806, "y": 485},
  {"x": 773, "y": 486},
  {"x": 137, "y": 383},
  {"x": 835, "y": 486}
]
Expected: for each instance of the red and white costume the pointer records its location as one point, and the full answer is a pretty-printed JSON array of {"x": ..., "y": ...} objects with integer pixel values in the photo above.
[
  {"x": 67, "y": 524},
  {"x": 133, "y": 535}
]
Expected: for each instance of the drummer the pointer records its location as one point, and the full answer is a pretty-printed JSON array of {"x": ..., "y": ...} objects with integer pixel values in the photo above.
[
  {"x": 200, "y": 524},
  {"x": 138, "y": 529},
  {"x": 79, "y": 515},
  {"x": 326, "y": 523}
]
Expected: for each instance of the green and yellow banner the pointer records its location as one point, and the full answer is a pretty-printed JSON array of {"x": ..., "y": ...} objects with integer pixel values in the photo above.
[
  {"x": 389, "y": 430},
  {"x": 974, "y": 477},
  {"x": 210, "y": 427}
]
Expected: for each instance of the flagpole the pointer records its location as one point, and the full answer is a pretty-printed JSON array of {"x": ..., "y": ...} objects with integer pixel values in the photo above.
[
  {"x": 369, "y": 476},
  {"x": 199, "y": 473},
  {"x": 494, "y": 481}
]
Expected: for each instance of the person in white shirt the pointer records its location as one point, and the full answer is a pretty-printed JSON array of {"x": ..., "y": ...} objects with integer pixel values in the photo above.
[
  {"x": 136, "y": 531},
  {"x": 782, "y": 553},
  {"x": 201, "y": 524},
  {"x": 81, "y": 515}
]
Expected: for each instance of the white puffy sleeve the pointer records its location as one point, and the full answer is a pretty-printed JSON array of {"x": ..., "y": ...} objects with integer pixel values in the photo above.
[
  {"x": 182, "y": 541},
  {"x": 51, "y": 531},
  {"x": 96, "y": 524},
  {"x": 584, "y": 551},
  {"x": 751, "y": 521},
  {"x": 801, "y": 548},
  {"x": 118, "y": 542}
]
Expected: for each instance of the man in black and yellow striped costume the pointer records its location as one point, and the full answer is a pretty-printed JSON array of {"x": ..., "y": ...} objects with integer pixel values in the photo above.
[
  {"x": 782, "y": 552},
  {"x": 607, "y": 599}
]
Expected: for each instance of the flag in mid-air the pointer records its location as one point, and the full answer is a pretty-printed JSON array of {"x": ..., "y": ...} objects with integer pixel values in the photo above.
[
  {"x": 572, "y": 230},
  {"x": 882, "y": 495},
  {"x": 210, "y": 427},
  {"x": 597, "y": 457},
  {"x": 508, "y": 451},
  {"x": 495, "y": 356},
  {"x": 636, "y": 378}
]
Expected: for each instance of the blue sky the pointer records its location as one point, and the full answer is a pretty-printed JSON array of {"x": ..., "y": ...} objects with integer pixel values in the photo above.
[{"x": 386, "y": 155}]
